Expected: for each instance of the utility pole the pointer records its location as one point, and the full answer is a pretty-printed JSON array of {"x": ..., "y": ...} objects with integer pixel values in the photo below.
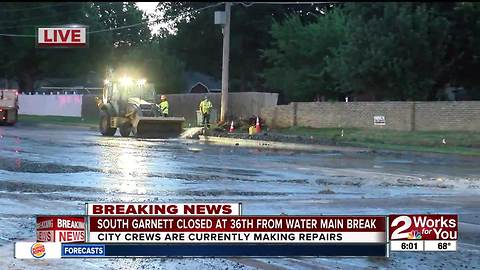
[{"x": 225, "y": 62}]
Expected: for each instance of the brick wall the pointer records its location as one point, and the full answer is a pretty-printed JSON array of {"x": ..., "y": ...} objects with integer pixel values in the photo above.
[
  {"x": 445, "y": 115},
  {"x": 407, "y": 116},
  {"x": 279, "y": 116},
  {"x": 241, "y": 104}
]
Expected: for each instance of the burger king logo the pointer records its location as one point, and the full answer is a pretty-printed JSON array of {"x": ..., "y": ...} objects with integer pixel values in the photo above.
[{"x": 38, "y": 250}]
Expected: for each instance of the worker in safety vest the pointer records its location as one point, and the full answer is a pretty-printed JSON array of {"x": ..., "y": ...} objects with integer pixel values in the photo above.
[
  {"x": 163, "y": 106},
  {"x": 205, "y": 108}
]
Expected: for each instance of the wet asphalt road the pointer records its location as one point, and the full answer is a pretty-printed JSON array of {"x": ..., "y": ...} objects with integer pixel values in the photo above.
[{"x": 56, "y": 169}]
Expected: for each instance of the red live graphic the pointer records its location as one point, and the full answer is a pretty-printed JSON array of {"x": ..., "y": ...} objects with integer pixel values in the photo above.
[
  {"x": 423, "y": 227},
  {"x": 68, "y": 35},
  {"x": 62, "y": 36}
]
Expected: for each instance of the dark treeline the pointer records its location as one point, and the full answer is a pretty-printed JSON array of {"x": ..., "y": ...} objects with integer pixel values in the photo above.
[{"x": 373, "y": 51}]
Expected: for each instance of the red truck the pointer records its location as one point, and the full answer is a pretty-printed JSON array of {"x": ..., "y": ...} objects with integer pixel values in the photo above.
[{"x": 8, "y": 106}]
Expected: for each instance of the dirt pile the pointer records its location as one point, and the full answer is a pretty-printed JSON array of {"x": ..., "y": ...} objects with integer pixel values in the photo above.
[{"x": 242, "y": 124}]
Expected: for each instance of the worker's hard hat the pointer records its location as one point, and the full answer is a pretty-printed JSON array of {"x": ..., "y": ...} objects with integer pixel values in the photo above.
[
  {"x": 205, "y": 97},
  {"x": 163, "y": 97}
]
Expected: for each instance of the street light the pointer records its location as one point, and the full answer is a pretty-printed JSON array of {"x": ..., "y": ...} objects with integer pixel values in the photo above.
[{"x": 141, "y": 82}]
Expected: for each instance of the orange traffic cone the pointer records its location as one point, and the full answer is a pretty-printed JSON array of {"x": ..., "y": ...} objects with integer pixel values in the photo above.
[
  {"x": 231, "y": 127},
  {"x": 257, "y": 126}
]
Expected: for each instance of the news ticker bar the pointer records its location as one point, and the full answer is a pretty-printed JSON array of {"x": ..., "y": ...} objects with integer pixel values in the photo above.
[
  {"x": 53, "y": 250},
  {"x": 237, "y": 229},
  {"x": 237, "y": 237}
]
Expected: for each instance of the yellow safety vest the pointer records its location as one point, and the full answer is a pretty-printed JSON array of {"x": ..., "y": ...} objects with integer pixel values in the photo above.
[
  {"x": 205, "y": 106},
  {"x": 164, "y": 106}
]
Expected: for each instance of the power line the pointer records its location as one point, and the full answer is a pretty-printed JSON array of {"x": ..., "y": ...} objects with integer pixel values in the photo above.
[
  {"x": 18, "y": 26},
  {"x": 29, "y": 25},
  {"x": 120, "y": 27},
  {"x": 133, "y": 25},
  {"x": 138, "y": 24},
  {"x": 210, "y": 6},
  {"x": 197, "y": 10},
  {"x": 39, "y": 17},
  {"x": 286, "y": 3},
  {"x": 39, "y": 7},
  {"x": 15, "y": 35},
  {"x": 116, "y": 28}
]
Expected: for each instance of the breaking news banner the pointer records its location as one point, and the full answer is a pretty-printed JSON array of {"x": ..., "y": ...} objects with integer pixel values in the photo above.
[
  {"x": 220, "y": 230},
  {"x": 423, "y": 232}
]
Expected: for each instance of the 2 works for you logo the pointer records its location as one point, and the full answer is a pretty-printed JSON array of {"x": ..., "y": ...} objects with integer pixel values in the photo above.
[
  {"x": 67, "y": 36},
  {"x": 423, "y": 227}
]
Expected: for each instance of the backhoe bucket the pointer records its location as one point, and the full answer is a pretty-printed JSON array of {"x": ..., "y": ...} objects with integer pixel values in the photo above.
[{"x": 158, "y": 127}]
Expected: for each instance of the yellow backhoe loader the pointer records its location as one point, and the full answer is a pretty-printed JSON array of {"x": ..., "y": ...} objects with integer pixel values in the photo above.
[{"x": 128, "y": 104}]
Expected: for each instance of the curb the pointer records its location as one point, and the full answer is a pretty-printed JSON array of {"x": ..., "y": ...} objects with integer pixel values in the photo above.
[{"x": 279, "y": 145}]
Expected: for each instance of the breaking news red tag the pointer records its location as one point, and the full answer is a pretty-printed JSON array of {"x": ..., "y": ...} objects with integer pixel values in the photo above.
[{"x": 64, "y": 229}]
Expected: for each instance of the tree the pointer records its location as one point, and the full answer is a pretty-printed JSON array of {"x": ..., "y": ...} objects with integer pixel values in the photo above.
[
  {"x": 198, "y": 41},
  {"x": 160, "y": 67},
  {"x": 121, "y": 15},
  {"x": 19, "y": 57},
  {"x": 393, "y": 51},
  {"x": 463, "y": 52},
  {"x": 22, "y": 61},
  {"x": 297, "y": 58},
  {"x": 126, "y": 28}
]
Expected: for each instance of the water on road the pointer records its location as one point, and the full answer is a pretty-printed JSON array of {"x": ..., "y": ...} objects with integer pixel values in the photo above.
[{"x": 48, "y": 170}]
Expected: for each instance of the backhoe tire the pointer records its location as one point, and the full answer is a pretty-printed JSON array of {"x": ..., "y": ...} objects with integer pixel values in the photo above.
[
  {"x": 134, "y": 131},
  {"x": 125, "y": 130},
  {"x": 105, "y": 128}
]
